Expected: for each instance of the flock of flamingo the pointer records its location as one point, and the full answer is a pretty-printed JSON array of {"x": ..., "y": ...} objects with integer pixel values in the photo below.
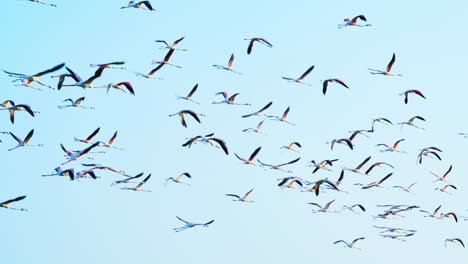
[{"x": 187, "y": 117}]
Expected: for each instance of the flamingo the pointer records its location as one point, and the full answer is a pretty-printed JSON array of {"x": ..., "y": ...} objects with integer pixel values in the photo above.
[
  {"x": 395, "y": 230},
  {"x": 150, "y": 74},
  {"x": 323, "y": 209},
  {"x": 377, "y": 184},
  {"x": 349, "y": 245},
  {"x": 110, "y": 65},
  {"x": 38, "y": 2},
  {"x": 322, "y": 165},
  {"x": 291, "y": 146},
  {"x": 120, "y": 85},
  {"x": 397, "y": 237},
  {"x": 173, "y": 46},
  {"x": 345, "y": 141},
  {"x": 429, "y": 151},
  {"x": 284, "y": 182},
  {"x": 455, "y": 241},
  {"x": 74, "y": 103},
  {"x": 89, "y": 138},
  {"x": 351, "y": 208},
  {"x": 387, "y": 70},
  {"x": 301, "y": 78},
  {"x": 102, "y": 167},
  {"x": 59, "y": 172},
  {"x": 444, "y": 189},
  {"x": 256, "y": 129},
  {"x": 228, "y": 67},
  {"x": 190, "y": 94},
  {"x": 406, "y": 189},
  {"x": 433, "y": 214},
  {"x": 406, "y": 93},
  {"x": 6, "y": 204},
  {"x": 358, "y": 167},
  {"x": 128, "y": 180},
  {"x": 110, "y": 143},
  {"x": 377, "y": 164},
  {"x": 317, "y": 184},
  {"x": 259, "y": 40},
  {"x": 166, "y": 60},
  {"x": 444, "y": 176},
  {"x": 28, "y": 80},
  {"x": 353, "y": 22},
  {"x": 279, "y": 166},
  {"x": 380, "y": 120},
  {"x": 146, "y": 5},
  {"x": 190, "y": 225},
  {"x": 77, "y": 155},
  {"x": 228, "y": 99},
  {"x": 259, "y": 111},
  {"x": 182, "y": 119},
  {"x": 195, "y": 139},
  {"x": 19, "y": 107},
  {"x": 220, "y": 142},
  {"x": 25, "y": 142},
  {"x": 393, "y": 148},
  {"x": 138, "y": 187},
  {"x": 410, "y": 122},
  {"x": 82, "y": 83},
  {"x": 452, "y": 214},
  {"x": 251, "y": 158},
  {"x": 243, "y": 198},
  {"x": 340, "y": 179},
  {"x": 178, "y": 179},
  {"x": 325, "y": 84},
  {"x": 85, "y": 173},
  {"x": 282, "y": 118},
  {"x": 5, "y": 103},
  {"x": 359, "y": 132}
]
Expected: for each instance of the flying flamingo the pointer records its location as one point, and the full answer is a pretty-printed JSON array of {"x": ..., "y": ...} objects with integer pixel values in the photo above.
[
  {"x": 120, "y": 85},
  {"x": 406, "y": 93},
  {"x": 59, "y": 172},
  {"x": 259, "y": 111},
  {"x": 243, "y": 198},
  {"x": 284, "y": 182},
  {"x": 325, "y": 84},
  {"x": 190, "y": 225},
  {"x": 358, "y": 167},
  {"x": 282, "y": 118},
  {"x": 442, "y": 178},
  {"x": 323, "y": 209},
  {"x": 82, "y": 83},
  {"x": 397, "y": 237},
  {"x": 394, "y": 230},
  {"x": 377, "y": 164},
  {"x": 256, "y": 129},
  {"x": 142, "y": 4},
  {"x": 19, "y": 107},
  {"x": 406, "y": 189},
  {"x": 259, "y": 40},
  {"x": 427, "y": 152},
  {"x": 279, "y": 166},
  {"x": 228, "y": 99},
  {"x": 77, "y": 155},
  {"x": 410, "y": 122},
  {"x": 89, "y": 138},
  {"x": 387, "y": 71},
  {"x": 228, "y": 67},
  {"x": 377, "y": 184},
  {"x": 444, "y": 189},
  {"x": 455, "y": 241},
  {"x": 301, "y": 78},
  {"x": 349, "y": 245},
  {"x": 251, "y": 158},
  {"x": 182, "y": 119},
  {"x": 345, "y": 141},
  {"x": 351, "y": 208},
  {"x": 28, "y": 80},
  {"x": 138, "y": 187},
  {"x": 353, "y": 22},
  {"x": 166, "y": 61},
  {"x": 190, "y": 94},
  {"x": 173, "y": 46},
  {"x": 359, "y": 132},
  {"x": 74, "y": 103},
  {"x": 39, "y": 2},
  {"x": 220, "y": 142},
  {"x": 291, "y": 146},
  {"x": 25, "y": 142},
  {"x": 178, "y": 179},
  {"x": 322, "y": 165},
  {"x": 317, "y": 184},
  {"x": 393, "y": 148},
  {"x": 5, "y": 103},
  {"x": 433, "y": 214},
  {"x": 6, "y": 204},
  {"x": 380, "y": 120},
  {"x": 195, "y": 139},
  {"x": 110, "y": 65},
  {"x": 110, "y": 143},
  {"x": 452, "y": 214},
  {"x": 128, "y": 180}
]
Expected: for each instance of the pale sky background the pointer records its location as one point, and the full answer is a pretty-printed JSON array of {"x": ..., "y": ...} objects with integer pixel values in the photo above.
[{"x": 87, "y": 221}]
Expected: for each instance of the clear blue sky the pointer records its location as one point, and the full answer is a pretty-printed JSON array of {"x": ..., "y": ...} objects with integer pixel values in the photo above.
[{"x": 87, "y": 221}]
